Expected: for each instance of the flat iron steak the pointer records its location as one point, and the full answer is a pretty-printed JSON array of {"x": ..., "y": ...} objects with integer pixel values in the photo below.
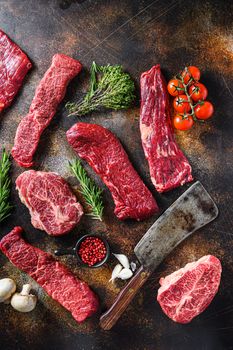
[
  {"x": 52, "y": 276},
  {"x": 49, "y": 93},
  {"x": 105, "y": 154},
  {"x": 187, "y": 292},
  {"x": 169, "y": 168},
  {"x": 52, "y": 205}
]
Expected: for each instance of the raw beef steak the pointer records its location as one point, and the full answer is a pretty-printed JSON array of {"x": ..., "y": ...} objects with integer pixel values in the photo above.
[
  {"x": 105, "y": 154},
  {"x": 52, "y": 276},
  {"x": 187, "y": 292},
  {"x": 52, "y": 205},
  {"x": 49, "y": 94},
  {"x": 14, "y": 65},
  {"x": 169, "y": 168}
]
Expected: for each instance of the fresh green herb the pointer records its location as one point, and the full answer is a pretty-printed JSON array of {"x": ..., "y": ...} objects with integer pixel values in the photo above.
[
  {"x": 110, "y": 87},
  {"x": 5, "y": 184},
  {"x": 90, "y": 191}
]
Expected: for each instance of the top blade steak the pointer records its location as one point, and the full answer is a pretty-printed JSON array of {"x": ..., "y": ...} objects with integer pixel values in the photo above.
[
  {"x": 187, "y": 292},
  {"x": 52, "y": 205}
]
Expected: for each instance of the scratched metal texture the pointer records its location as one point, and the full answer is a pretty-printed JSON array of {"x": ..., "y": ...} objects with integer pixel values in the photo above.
[{"x": 136, "y": 34}]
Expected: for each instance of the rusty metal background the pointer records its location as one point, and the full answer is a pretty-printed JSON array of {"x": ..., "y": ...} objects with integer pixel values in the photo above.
[{"x": 136, "y": 34}]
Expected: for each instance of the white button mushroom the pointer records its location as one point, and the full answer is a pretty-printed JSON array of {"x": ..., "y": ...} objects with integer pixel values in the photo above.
[
  {"x": 24, "y": 302},
  {"x": 7, "y": 288}
]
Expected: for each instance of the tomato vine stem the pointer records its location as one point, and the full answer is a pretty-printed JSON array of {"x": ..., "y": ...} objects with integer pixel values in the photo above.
[{"x": 192, "y": 114}]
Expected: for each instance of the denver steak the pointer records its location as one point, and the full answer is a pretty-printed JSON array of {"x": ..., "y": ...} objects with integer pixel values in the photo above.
[
  {"x": 169, "y": 168},
  {"x": 105, "y": 154},
  {"x": 52, "y": 276},
  {"x": 14, "y": 65},
  {"x": 52, "y": 205},
  {"x": 49, "y": 94},
  {"x": 187, "y": 292}
]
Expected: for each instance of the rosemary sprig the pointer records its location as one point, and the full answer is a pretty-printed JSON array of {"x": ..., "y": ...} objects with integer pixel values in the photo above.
[
  {"x": 90, "y": 191},
  {"x": 110, "y": 87},
  {"x": 5, "y": 184}
]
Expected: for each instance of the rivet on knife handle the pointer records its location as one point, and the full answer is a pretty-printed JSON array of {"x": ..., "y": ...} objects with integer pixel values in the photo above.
[{"x": 110, "y": 317}]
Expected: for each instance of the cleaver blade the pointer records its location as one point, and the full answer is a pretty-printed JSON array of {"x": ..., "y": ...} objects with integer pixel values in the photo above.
[{"x": 191, "y": 211}]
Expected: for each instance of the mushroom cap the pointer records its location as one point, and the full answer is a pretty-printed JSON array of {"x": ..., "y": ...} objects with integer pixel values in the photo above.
[
  {"x": 23, "y": 303},
  {"x": 7, "y": 288}
]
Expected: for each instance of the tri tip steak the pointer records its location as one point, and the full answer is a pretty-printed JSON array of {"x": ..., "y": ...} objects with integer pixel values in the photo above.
[
  {"x": 49, "y": 93},
  {"x": 187, "y": 292},
  {"x": 52, "y": 205},
  {"x": 51, "y": 275},
  {"x": 14, "y": 65},
  {"x": 105, "y": 154},
  {"x": 169, "y": 168}
]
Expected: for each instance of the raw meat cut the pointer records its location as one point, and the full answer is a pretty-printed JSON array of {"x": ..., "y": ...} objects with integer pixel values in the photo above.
[
  {"x": 52, "y": 205},
  {"x": 105, "y": 154},
  {"x": 14, "y": 65},
  {"x": 187, "y": 292},
  {"x": 52, "y": 276},
  {"x": 49, "y": 94},
  {"x": 169, "y": 168}
]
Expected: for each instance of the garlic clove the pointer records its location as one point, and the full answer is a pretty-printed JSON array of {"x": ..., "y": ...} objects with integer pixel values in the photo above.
[
  {"x": 133, "y": 266},
  {"x": 125, "y": 274},
  {"x": 117, "y": 269},
  {"x": 123, "y": 260},
  {"x": 7, "y": 288},
  {"x": 24, "y": 302}
]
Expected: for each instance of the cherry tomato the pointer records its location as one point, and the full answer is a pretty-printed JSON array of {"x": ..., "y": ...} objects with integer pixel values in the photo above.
[
  {"x": 181, "y": 104},
  {"x": 172, "y": 87},
  {"x": 198, "y": 92},
  {"x": 192, "y": 71},
  {"x": 204, "y": 110},
  {"x": 182, "y": 122}
]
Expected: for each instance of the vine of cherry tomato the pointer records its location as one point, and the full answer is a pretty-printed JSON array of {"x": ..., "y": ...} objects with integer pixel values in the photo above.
[
  {"x": 204, "y": 111},
  {"x": 198, "y": 92},
  {"x": 181, "y": 104},
  {"x": 189, "y": 99},
  {"x": 182, "y": 123},
  {"x": 191, "y": 72},
  {"x": 174, "y": 87}
]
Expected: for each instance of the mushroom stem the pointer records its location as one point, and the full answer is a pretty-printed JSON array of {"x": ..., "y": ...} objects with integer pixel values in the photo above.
[
  {"x": 23, "y": 301},
  {"x": 26, "y": 289}
]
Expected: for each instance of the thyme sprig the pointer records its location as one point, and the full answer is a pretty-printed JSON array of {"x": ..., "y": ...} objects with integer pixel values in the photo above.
[
  {"x": 5, "y": 185},
  {"x": 90, "y": 191},
  {"x": 110, "y": 87}
]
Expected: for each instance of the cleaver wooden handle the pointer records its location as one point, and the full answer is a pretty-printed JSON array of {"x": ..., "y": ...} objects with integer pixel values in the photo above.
[{"x": 110, "y": 317}]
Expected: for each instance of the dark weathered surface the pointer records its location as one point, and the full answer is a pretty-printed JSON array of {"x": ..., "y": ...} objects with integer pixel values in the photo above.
[{"x": 136, "y": 34}]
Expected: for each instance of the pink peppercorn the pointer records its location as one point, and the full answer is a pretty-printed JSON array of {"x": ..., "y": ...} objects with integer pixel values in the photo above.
[{"x": 92, "y": 250}]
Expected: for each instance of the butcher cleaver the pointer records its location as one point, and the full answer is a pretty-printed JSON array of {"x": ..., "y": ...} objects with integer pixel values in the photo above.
[{"x": 192, "y": 210}]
